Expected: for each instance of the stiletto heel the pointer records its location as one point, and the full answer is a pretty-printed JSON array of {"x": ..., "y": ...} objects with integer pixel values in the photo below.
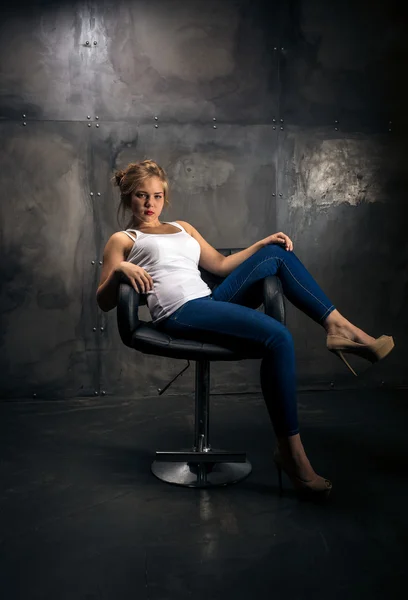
[
  {"x": 317, "y": 489},
  {"x": 374, "y": 352},
  {"x": 340, "y": 354}
]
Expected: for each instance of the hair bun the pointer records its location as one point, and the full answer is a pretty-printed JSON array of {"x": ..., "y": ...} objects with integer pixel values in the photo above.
[{"x": 119, "y": 176}]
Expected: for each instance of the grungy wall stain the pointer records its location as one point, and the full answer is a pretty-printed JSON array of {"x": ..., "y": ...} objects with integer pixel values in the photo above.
[
  {"x": 199, "y": 47},
  {"x": 197, "y": 172},
  {"x": 330, "y": 172}
]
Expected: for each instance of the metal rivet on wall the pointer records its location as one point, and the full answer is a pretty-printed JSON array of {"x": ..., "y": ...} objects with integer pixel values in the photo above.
[
  {"x": 100, "y": 262},
  {"x": 24, "y": 124},
  {"x": 282, "y": 121},
  {"x": 215, "y": 126},
  {"x": 103, "y": 393},
  {"x": 34, "y": 395},
  {"x": 96, "y": 117},
  {"x": 273, "y": 120},
  {"x": 89, "y": 124},
  {"x": 214, "y": 119},
  {"x": 88, "y": 117},
  {"x": 282, "y": 49},
  {"x": 91, "y": 193},
  {"x": 92, "y": 262},
  {"x": 86, "y": 43},
  {"x": 156, "y": 126},
  {"x": 281, "y": 195},
  {"x": 336, "y": 129},
  {"x": 273, "y": 194},
  {"x": 332, "y": 384},
  {"x": 102, "y": 328},
  {"x": 275, "y": 48},
  {"x": 282, "y": 128},
  {"x": 95, "y": 43},
  {"x": 96, "y": 393},
  {"x": 99, "y": 193},
  {"x": 156, "y": 118},
  {"x": 93, "y": 328},
  {"x": 24, "y": 116},
  {"x": 274, "y": 127},
  {"x": 97, "y": 125}
]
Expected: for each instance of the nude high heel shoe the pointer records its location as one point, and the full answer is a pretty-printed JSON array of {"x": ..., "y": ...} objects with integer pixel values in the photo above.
[
  {"x": 317, "y": 489},
  {"x": 372, "y": 352}
]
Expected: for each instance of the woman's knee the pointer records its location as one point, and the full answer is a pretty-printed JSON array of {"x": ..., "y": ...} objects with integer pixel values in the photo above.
[
  {"x": 272, "y": 250},
  {"x": 279, "y": 339}
]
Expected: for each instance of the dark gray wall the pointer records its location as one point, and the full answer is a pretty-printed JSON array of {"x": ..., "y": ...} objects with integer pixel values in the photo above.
[{"x": 267, "y": 116}]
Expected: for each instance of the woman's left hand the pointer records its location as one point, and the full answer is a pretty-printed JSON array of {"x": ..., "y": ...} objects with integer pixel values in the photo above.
[{"x": 279, "y": 238}]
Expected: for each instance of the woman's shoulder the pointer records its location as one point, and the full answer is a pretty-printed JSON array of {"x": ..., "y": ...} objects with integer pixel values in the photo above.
[
  {"x": 186, "y": 226},
  {"x": 122, "y": 239}
]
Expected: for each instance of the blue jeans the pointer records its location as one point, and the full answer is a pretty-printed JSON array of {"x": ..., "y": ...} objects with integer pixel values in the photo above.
[{"x": 228, "y": 318}]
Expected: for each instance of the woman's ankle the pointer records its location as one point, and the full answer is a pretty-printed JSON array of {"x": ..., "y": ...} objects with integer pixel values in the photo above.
[
  {"x": 292, "y": 451},
  {"x": 335, "y": 322}
]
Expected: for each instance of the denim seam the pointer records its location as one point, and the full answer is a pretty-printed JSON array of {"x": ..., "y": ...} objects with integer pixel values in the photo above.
[
  {"x": 332, "y": 306},
  {"x": 258, "y": 265},
  {"x": 281, "y": 261},
  {"x": 322, "y": 303}
]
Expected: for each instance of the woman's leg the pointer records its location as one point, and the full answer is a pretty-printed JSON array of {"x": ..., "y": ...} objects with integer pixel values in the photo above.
[
  {"x": 241, "y": 328},
  {"x": 244, "y": 286},
  {"x": 297, "y": 283},
  {"x": 221, "y": 322}
]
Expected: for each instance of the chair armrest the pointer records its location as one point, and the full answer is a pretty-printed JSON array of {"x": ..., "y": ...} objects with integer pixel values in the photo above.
[
  {"x": 127, "y": 312},
  {"x": 273, "y": 299}
]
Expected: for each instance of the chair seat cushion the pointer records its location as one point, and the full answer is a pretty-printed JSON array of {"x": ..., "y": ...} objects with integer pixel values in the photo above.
[{"x": 149, "y": 340}]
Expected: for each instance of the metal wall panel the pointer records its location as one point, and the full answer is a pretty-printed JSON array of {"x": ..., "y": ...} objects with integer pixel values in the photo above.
[
  {"x": 342, "y": 205},
  {"x": 48, "y": 346},
  {"x": 238, "y": 100},
  {"x": 222, "y": 181},
  {"x": 342, "y": 177},
  {"x": 133, "y": 60},
  {"x": 344, "y": 64}
]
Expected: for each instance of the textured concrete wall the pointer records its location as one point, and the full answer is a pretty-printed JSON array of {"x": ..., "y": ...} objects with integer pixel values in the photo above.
[{"x": 266, "y": 116}]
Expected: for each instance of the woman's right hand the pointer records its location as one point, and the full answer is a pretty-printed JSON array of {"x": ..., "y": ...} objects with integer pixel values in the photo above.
[{"x": 137, "y": 276}]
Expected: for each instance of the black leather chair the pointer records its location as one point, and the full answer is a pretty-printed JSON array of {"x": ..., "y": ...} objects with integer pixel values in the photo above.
[{"x": 200, "y": 466}]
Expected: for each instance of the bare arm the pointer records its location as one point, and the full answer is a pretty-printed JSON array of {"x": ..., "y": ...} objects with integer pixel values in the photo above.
[
  {"x": 234, "y": 260},
  {"x": 113, "y": 256},
  {"x": 115, "y": 268},
  {"x": 215, "y": 262}
]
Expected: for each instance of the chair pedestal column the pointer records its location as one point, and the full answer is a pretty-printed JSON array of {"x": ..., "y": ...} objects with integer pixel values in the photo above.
[{"x": 201, "y": 466}]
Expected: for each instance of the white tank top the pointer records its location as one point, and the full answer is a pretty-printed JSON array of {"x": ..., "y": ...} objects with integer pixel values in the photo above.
[{"x": 171, "y": 259}]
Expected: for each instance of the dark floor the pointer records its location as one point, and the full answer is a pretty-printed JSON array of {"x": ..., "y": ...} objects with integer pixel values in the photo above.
[{"x": 82, "y": 517}]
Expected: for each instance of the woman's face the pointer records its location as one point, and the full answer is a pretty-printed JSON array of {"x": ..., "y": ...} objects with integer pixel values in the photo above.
[{"x": 147, "y": 202}]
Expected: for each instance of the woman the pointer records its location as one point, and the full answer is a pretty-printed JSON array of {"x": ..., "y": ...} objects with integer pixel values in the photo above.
[{"x": 161, "y": 260}]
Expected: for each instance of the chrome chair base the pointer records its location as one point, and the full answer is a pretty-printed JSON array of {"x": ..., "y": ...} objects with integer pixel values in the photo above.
[{"x": 201, "y": 475}]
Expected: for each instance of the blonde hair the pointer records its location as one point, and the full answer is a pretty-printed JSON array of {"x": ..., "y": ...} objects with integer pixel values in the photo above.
[{"x": 131, "y": 177}]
